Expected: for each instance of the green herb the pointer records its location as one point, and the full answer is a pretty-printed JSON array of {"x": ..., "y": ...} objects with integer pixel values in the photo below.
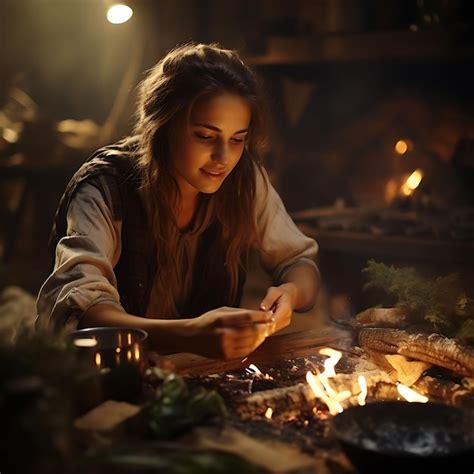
[
  {"x": 441, "y": 301},
  {"x": 176, "y": 407}
]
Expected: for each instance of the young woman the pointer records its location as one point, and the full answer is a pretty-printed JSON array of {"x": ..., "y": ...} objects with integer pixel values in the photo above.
[{"x": 154, "y": 231}]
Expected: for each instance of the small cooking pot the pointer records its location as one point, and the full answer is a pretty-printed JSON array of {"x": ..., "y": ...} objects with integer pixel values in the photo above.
[
  {"x": 406, "y": 437},
  {"x": 121, "y": 355},
  {"x": 110, "y": 347}
]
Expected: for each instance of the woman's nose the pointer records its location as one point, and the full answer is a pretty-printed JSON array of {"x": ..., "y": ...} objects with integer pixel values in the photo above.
[{"x": 220, "y": 153}]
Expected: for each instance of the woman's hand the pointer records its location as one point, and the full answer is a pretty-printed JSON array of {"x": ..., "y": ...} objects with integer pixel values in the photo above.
[
  {"x": 229, "y": 333},
  {"x": 281, "y": 301}
]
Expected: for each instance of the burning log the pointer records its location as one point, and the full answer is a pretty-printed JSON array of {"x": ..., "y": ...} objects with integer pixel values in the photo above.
[
  {"x": 446, "y": 391},
  {"x": 432, "y": 348},
  {"x": 284, "y": 402},
  {"x": 291, "y": 401}
]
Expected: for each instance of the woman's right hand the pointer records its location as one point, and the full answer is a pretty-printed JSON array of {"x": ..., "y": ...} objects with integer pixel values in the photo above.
[{"x": 229, "y": 333}]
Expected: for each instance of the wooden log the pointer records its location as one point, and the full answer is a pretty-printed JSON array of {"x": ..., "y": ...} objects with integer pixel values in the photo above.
[
  {"x": 285, "y": 402},
  {"x": 291, "y": 401},
  {"x": 383, "y": 317},
  {"x": 445, "y": 391},
  {"x": 432, "y": 348}
]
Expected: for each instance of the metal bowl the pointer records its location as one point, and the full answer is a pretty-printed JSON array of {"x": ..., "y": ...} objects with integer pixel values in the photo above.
[
  {"x": 111, "y": 347},
  {"x": 122, "y": 357},
  {"x": 406, "y": 437}
]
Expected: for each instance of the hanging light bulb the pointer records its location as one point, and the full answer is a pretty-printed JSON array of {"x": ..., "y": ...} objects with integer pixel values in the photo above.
[{"x": 119, "y": 13}]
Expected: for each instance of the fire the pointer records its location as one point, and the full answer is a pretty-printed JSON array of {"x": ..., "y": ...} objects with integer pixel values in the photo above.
[
  {"x": 269, "y": 413},
  {"x": 322, "y": 389},
  {"x": 412, "y": 182},
  {"x": 252, "y": 368},
  {"x": 363, "y": 390},
  {"x": 410, "y": 395},
  {"x": 320, "y": 385}
]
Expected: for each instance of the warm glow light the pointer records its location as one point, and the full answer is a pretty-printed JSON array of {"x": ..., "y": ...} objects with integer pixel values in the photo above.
[
  {"x": 401, "y": 147},
  {"x": 330, "y": 363},
  {"x": 415, "y": 179},
  {"x": 363, "y": 390},
  {"x": 119, "y": 13},
  {"x": 318, "y": 389},
  {"x": 269, "y": 413},
  {"x": 85, "y": 342},
  {"x": 410, "y": 395},
  {"x": 129, "y": 339},
  {"x": 10, "y": 135},
  {"x": 259, "y": 373},
  {"x": 412, "y": 182},
  {"x": 98, "y": 359}
]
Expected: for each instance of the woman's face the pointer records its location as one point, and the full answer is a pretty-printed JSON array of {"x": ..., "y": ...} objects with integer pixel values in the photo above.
[{"x": 204, "y": 151}]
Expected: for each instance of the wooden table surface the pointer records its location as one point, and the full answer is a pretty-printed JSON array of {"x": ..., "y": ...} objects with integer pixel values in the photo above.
[{"x": 285, "y": 346}]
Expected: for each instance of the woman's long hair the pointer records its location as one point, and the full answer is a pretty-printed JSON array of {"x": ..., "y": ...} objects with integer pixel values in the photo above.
[{"x": 166, "y": 95}]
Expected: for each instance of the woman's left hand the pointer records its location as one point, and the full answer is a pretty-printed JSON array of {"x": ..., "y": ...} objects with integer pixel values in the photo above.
[{"x": 281, "y": 301}]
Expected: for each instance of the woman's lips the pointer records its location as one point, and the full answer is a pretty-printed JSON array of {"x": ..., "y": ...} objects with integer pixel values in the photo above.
[{"x": 212, "y": 173}]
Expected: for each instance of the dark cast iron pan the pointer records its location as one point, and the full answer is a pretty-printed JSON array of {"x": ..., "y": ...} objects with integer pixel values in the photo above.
[{"x": 403, "y": 437}]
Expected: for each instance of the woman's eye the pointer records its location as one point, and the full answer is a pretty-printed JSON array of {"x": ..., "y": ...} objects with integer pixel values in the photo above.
[
  {"x": 204, "y": 137},
  {"x": 237, "y": 140}
]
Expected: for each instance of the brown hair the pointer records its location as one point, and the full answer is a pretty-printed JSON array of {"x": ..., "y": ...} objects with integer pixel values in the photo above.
[{"x": 169, "y": 90}]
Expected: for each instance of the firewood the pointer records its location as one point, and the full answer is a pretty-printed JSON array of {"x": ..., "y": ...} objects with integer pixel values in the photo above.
[
  {"x": 291, "y": 401},
  {"x": 408, "y": 371},
  {"x": 445, "y": 391},
  {"x": 383, "y": 317},
  {"x": 285, "y": 402},
  {"x": 432, "y": 348}
]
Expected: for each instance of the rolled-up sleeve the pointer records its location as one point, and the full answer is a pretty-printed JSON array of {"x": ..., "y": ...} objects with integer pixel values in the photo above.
[
  {"x": 281, "y": 244},
  {"x": 83, "y": 274}
]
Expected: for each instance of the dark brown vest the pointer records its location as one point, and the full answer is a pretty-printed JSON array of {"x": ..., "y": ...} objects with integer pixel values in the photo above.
[{"x": 136, "y": 269}]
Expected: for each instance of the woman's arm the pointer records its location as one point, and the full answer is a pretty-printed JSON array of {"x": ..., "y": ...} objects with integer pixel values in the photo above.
[
  {"x": 298, "y": 292},
  {"x": 222, "y": 333},
  {"x": 287, "y": 254}
]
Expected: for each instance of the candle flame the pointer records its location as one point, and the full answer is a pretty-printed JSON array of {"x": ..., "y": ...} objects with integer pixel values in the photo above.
[{"x": 269, "y": 413}]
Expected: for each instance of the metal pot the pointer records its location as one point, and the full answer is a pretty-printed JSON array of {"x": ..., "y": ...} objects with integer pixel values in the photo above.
[
  {"x": 406, "y": 437},
  {"x": 121, "y": 354}
]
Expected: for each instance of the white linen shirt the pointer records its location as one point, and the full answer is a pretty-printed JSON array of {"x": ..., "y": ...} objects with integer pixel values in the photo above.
[{"x": 83, "y": 273}]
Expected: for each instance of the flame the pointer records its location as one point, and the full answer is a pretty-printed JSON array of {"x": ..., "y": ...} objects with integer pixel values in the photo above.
[
  {"x": 412, "y": 182},
  {"x": 333, "y": 358},
  {"x": 258, "y": 373},
  {"x": 363, "y": 390},
  {"x": 98, "y": 359},
  {"x": 320, "y": 385},
  {"x": 269, "y": 413},
  {"x": 318, "y": 389},
  {"x": 410, "y": 395}
]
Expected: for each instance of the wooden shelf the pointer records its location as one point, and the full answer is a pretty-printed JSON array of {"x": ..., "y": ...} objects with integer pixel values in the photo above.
[
  {"x": 422, "y": 45},
  {"x": 393, "y": 247}
]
